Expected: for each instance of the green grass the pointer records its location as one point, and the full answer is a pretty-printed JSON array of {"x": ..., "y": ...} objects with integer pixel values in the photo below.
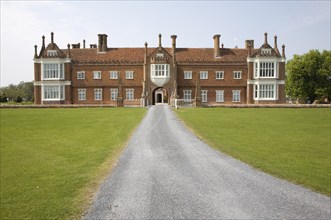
[
  {"x": 53, "y": 159},
  {"x": 293, "y": 144}
]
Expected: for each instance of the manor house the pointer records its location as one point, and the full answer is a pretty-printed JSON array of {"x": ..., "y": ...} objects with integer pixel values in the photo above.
[{"x": 103, "y": 74}]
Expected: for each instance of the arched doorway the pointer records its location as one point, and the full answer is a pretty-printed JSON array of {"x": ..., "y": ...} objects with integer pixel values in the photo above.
[{"x": 160, "y": 96}]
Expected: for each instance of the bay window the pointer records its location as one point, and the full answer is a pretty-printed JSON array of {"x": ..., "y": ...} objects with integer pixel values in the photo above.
[
  {"x": 265, "y": 92},
  {"x": 53, "y": 93},
  {"x": 265, "y": 69},
  {"x": 160, "y": 70},
  {"x": 53, "y": 71}
]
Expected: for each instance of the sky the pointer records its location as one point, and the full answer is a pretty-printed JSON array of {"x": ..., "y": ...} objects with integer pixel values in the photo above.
[{"x": 300, "y": 25}]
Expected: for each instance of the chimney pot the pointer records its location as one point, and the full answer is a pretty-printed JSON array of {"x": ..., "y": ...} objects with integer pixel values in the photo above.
[
  {"x": 283, "y": 51},
  {"x": 173, "y": 37},
  {"x": 52, "y": 37},
  {"x": 35, "y": 51},
  {"x": 217, "y": 45},
  {"x": 84, "y": 43},
  {"x": 160, "y": 43},
  {"x": 275, "y": 43},
  {"x": 43, "y": 41},
  {"x": 100, "y": 42},
  {"x": 68, "y": 53},
  {"x": 104, "y": 43},
  {"x": 265, "y": 38}
]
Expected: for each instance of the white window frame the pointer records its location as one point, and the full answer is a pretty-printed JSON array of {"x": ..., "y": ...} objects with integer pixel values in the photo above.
[
  {"x": 113, "y": 94},
  {"x": 80, "y": 74},
  {"x": 113, "y": 74},
  {"x": 204, "y": 95},
  {"x": 187, "y": 74},
  {"x": 159, "y": 55},
  {"x": 53, "y": 92},
  {"x": 128, "y": 74},
  {"x": 97, "y": 94},
  {"x": 266, "y": 91},
  {"x": 81, "y": 94},
  {"x": 236, "y": 95},
  {"x": 160, "y": 70},
  {"x": 96, "y": 74},
  {"x": 53, "y": 71},
  {"x": 265, "y": 69},
  {"x": 129, "y": 94},
  {"x": 203, "y": 74},
  {"x": 265, "y": 51},
  {"x": 51, "y": 53},
  {"x": 237, "y": 74},
  {"x": 219, "y": 95},
  {"x": 219, "y": 74},
  {"x": 187, "y": 95}
]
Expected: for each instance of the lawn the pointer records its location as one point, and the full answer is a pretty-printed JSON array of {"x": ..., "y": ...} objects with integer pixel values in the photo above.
[
  {"x": 293, "y": 144},
  {"x": 52, "y": 160}
]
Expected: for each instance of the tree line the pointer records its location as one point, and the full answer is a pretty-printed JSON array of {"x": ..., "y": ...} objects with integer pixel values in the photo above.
[
  {"x": 308, "y": 80},
  {"x": 24, "y": 91}
]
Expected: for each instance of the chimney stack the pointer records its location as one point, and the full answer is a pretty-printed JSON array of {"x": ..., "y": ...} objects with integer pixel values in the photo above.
[
  {"x": 99, "y": 42},
  {"x": 145, "y": 57},
  {"x": 217, "y": 45},
  {"x": 84, "y": 44},
  {"x": 146, "y": 44},
  {"x": 104, "y": 43},
  {"x": 173, "y": 37},
  {"x": 43, "y": 42},
  {"x": 35, "y": 51},
  {"x": 249, "y": 49},
  {"x": 283, "y": 51},
  {"x": 68, "y": 53},
  {"x": 52, "y": 37},
  {"x": 160, "y": 44},
  {"x": 275, "y": 45},
  {"x": 275, "y": 42},
  {"x": 249, "y": 43},
  {"x": 265, "y": 39}
]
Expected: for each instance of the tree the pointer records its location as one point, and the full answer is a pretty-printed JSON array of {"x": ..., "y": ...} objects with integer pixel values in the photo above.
[
  {"x": 24, "y": 90},
  {"x": 309, "y": 76}
]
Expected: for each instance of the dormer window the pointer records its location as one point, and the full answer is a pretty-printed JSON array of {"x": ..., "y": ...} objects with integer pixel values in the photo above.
[
  {"x": 159, "y": 55},
  {"x": 265, "y": 51},
  {"x": 51, "y": 53}
]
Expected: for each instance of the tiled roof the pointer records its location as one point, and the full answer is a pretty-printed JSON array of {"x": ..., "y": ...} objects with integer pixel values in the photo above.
[
  {"x": 52, "y": 46},
  {"x": 136, "y": 55},
  {"x": 123, "y": 55},
  {"x": 207, "y": 54}
]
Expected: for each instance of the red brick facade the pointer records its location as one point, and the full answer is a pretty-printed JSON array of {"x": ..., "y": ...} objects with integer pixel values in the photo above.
[{"x": 144, "y": 76}]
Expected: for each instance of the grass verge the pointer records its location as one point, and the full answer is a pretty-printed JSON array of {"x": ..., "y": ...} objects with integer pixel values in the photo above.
[
  {"x": 293, "y": 144},
  {"x": 53, "y": 159}
]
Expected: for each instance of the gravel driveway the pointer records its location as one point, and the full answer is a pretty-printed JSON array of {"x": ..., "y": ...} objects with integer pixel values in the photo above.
[{"x": 167, "y": 173}]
